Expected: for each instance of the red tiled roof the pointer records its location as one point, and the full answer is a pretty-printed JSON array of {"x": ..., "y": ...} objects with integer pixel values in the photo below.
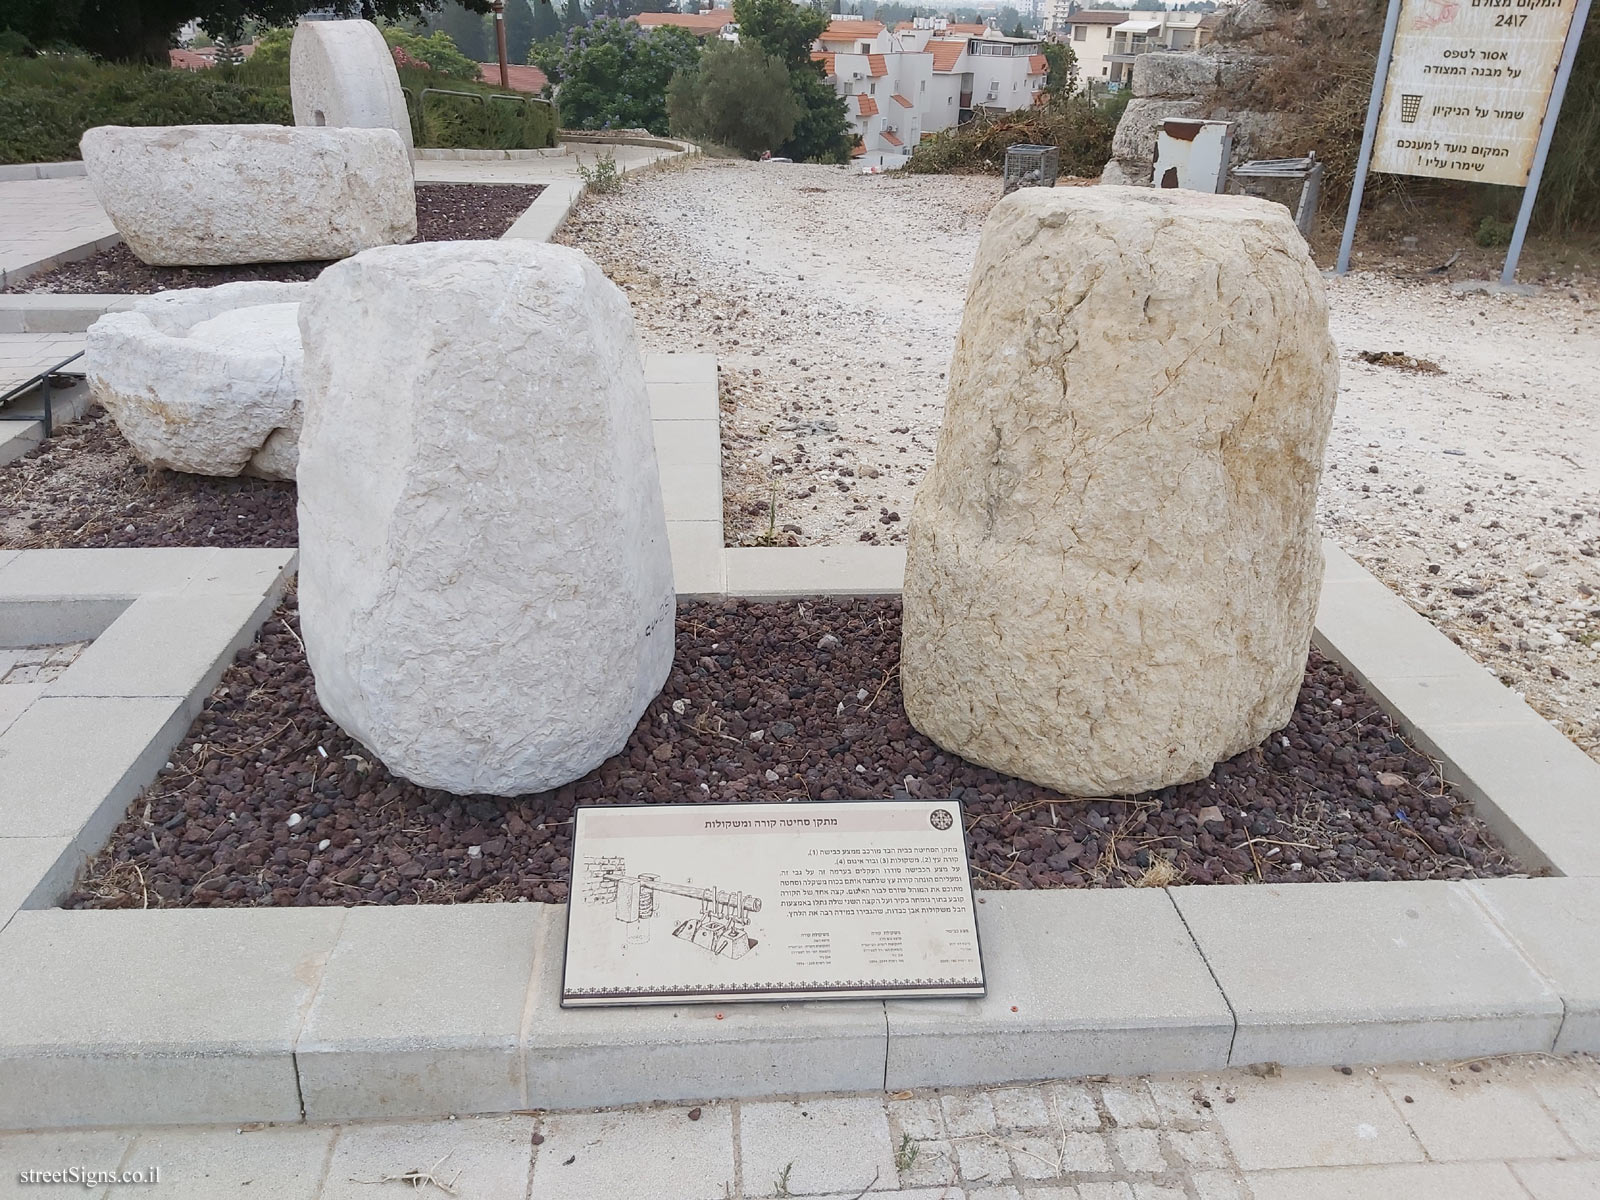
[
  {"x": 857, "y": 150},
  {"x": 876, "y": 67},
  {"x": 945, "y": 54},
  {"x": 866, "y": 106},
  {"x": 1100, "y": 17},
  {"x": 892, "y": 139},
  {"x": 1038, "y": 64},
  {"x": 974, "y": 30},
  {"x": 900, "y": 100},
  {"x": 826, "y": 60},
  {"x": 202, "y": 60},
  {"x": 699, "y": 24},
  {"x": 522, "y": 78},
  {"x": 842, "y": 30}
]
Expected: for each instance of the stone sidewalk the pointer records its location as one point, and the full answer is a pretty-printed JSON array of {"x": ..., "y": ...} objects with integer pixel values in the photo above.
[
  {"x": 1502, "y": 1129},
  {"x": 44, "y": 219}
]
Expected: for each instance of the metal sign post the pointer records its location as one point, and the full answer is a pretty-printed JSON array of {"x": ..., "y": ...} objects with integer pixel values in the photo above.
[{"x": 1468, "y": 91}]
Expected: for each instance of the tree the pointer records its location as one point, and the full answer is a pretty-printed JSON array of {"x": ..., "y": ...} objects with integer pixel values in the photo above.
[
  {"x": 822, "y": 130},
  {"x": 782, "y": 28},
  {"x": 437, "y": 52},
  {"x": 143, "y": 30},
  {"x": 1062, "y": 80},
  {"x": 613, "y": 74},
  {"x": 739, "y": 96}
]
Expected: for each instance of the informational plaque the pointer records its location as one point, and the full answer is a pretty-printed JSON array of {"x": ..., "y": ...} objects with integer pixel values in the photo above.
[
  {"x": 716, "y": 902},
  {"x": 1468, "y": 85}
]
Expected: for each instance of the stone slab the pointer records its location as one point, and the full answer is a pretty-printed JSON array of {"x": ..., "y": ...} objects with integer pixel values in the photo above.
[
  {"x": 420, "y": 1013},
  {"x": 1070, "y": 994},
  {"x": 581, "y": 1057},
  {"x": 1413, "y": 1181},
  {"x": 32, "y": 873},
  {"x": 488, "y": 1157},
  {"x": 698, "y": 557},
  {"x": 182, "y": 1016},
  {"x": 693, "y": 401},
  {"x": 544, "y": 218},
  {"x": 57, "y": 1150},
  {"x": 1314, "y": 1117},
  {"x": 49, "y": 312},
  {"x": 689, "y": 444},
  {"x": 1366, "y": 973},
  {"x": 590, "y": 1156},
  {"x": 51, "y": 574},
  {"x": 1459, "y": 1117},
  {"x": 1555, "y": 1180},
  {"x": 771, "y": 573},
  {"x": 50, "y": 622},
  {"x": 1556, "y": 924},
  {"x": 691, "y": 493},
  {"x": 197, "y": 1164},
  {"x": 167, "y": 645},
  {"x": 62, "y": 784},
  {"x": 682, "y": 368},
  {"x": 816, "y": 1147}
]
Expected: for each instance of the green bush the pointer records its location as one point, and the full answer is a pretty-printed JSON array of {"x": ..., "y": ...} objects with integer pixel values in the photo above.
[
  {"x": 613, "y": 74},
  {"x": 437, "y": 52},
  {"x": 46, "y": 103},
  {"x": 1080, "y": 128},
  {"x": 738, "y": 96},
  {"x": 498, "y": 121},
  {"x": 1492, "y": 231}
]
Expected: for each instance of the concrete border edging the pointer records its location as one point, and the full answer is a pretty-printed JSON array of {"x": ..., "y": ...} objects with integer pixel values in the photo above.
[{"x": 50, "y": 170}]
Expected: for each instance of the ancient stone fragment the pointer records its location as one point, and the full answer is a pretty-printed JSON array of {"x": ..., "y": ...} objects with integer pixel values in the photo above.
[
  {"x": 485, "y": 586},
  {"x": 199, "y": 195},
  {"x": 342, "y": 74},
  {"x": 1113, "y": 565},
  {"x": 204, "y": 380}
]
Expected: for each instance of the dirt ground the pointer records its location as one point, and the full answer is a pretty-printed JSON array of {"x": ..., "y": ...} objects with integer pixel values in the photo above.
[{"x": 832, "y": 301}]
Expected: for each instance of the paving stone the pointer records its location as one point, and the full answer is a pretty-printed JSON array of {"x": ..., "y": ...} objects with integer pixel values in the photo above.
[
  {"x": 697, "y": 558},
  {"x": 691, "y": 493},
  {"x": 1074, "y": 1107},
  {"x": 1084, "y": 1152},
  {"x": 692, "y": 401},
  {"x": 653, "y": 1154},
  {"x": 1069, "y": 995},
  {"x": 688, "y": 443},
  {"x": 1473, "y": 1118},
  {"x": 1560, "y": 1180},
  {"x": 1139, "y": 1150},
  {"x": 1021, "y": 1108},
  {"x": 984, "y": 1160},
  {"x": 103, "y": 1030},
  {"x": 1575, "y": 1104},
  {"x": 52, "y": 574},
  {"x": 919, "y": 1118},
  {"x": 166, "y": 645},
  {"x": 604, "y": 1056},
  {"x": 420, "y": 1012},
  {"x": 100, "y": 1151},
  {"x": 1034, "y": 1158},
  {"x": 1003, "y": 1192},
  {"x": 486, "y": 1157},
  {"x": 968, "y": 1113},
  {"x": 206, "y": 1163},
  {"x": 1105, "y": 1191},
  {"x": 1053, "y": 1192},
  {"x": 1176, "y": 1103},
  {"x": 28, "y": 872},
  {"x": 1156, "y": 1191},
  {"x": 1367, "y": 973},
  {"x": 1217, "y": 1185},
  {"x": 1412, "y": 1181},
  {"x": 62, "y": 784},
  {"x": 698, "y": 369},
  {"x": 1198, "y": 1148},
  {"x": 1556, "y": 923},
  {"x": 933, "y": 1164},
  {"x": 835, "y": 1145},
  {"x": 1315, "y": 1118},
  {"x": 1130, "y": 1105}
]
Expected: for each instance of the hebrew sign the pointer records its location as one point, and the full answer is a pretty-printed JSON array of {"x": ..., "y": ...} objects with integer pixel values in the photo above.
[
  {"x": 1468, "y": 85},
  {"x": 717, "y": 902}
]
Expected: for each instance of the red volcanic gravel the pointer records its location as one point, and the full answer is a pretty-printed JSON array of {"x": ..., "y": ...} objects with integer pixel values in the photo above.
[
  {"x": 446, "y": 212},
  {"x": 84, "y": 487},
  {"x": 1337, "y": 796}
]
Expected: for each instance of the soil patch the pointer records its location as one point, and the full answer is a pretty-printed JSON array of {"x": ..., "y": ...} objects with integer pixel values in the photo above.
[
  {"x": 446, "y": 212},
  {"x": 1403, "y": 362},
  {"x": 84, "y": 487},
  {"x": 267, "y": 802}
]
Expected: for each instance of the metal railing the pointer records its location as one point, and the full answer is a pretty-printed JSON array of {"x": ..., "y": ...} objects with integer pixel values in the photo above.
[
  {"x": 416, "y": 99},
  {"x": 46, "y": 381}
]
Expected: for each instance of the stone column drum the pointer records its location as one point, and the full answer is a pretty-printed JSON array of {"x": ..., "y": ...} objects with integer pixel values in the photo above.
[
  {"x": 1113, "y": 565},
  {"x": 486, "y": 591}
]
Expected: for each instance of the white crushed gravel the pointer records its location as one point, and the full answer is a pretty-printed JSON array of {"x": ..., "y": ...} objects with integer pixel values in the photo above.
[{"x": 832, "y": 301}]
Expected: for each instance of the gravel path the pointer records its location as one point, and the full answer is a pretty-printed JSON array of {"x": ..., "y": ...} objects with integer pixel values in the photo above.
[
  {"x": 833, "y": 300},
  {"x": 266, "y": 801},
  {"x": 446, "y": 212}
]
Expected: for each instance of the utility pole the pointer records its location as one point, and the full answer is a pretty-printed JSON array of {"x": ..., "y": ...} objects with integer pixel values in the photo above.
[{"x": 500, "y": 41}]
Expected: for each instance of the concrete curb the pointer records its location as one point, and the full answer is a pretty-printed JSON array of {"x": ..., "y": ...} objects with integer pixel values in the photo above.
[
  {"x": 18, "y": 436},
  {"x": 50, "y": 170}
]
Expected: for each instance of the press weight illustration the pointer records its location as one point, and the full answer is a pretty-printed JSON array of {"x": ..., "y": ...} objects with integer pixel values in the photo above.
[{"x": 722, "y": 926}]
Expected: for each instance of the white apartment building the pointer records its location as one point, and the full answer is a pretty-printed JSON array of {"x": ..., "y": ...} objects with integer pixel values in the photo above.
[
  {"x": 1106, "y": 41},
  {"x": 922, "y": 76}
]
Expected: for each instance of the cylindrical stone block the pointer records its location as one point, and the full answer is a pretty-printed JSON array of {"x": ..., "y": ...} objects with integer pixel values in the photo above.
[
  {"x": 486, "y": 590},
  {"x": 1113, "y": 565}
]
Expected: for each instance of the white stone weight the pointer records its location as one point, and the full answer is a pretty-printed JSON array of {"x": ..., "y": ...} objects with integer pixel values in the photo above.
[
  {"x": 486, "y": 589},
  {"x": 341, "y": 73},
  {"x": 1113, "y": 565},
  {"x": 201, "y": 195},
  {"x": 204, "y": 380}
]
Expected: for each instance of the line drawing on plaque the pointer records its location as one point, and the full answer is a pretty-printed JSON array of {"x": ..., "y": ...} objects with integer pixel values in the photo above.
[{"x": 722, "y": 926}]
